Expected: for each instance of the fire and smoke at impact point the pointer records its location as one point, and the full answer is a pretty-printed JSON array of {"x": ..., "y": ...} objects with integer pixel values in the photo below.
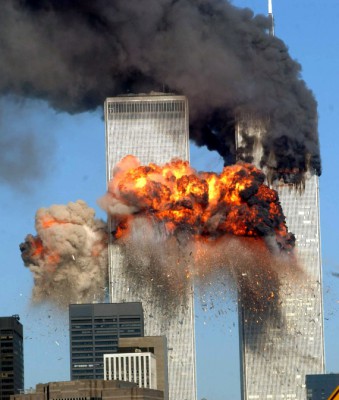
[{"x": 233, "y": 67}]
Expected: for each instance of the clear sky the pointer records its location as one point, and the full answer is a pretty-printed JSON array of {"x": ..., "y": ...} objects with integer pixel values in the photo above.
[{"x": 74, "y": 168}]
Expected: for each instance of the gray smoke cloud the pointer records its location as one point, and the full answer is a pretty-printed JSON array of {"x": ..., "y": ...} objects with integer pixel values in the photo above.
[
  {"x": 68, "y": 257},
  {"x": 74, "y": 54}
]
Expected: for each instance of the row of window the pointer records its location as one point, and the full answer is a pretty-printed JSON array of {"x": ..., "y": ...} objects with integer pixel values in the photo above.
[
  {"x": 99, "y": 337},
  {"x": 82, "y": 330},
  {"x": 146, "y": 106},
  {"x": 97, "y": 353},
  {"x": 6, "y": 382},
  {"x": 86, "y": 360},
  {"x": 104, "y": 319},
  {"x": 90, "y": 345}
]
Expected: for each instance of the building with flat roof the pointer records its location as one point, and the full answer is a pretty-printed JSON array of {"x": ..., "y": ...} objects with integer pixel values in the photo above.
[
  {"x": 90, "y": 389},
  {"x": 95, "y": 330},
  {"x": 154, "y": 128},
  {"x": 11, "y": 356}
]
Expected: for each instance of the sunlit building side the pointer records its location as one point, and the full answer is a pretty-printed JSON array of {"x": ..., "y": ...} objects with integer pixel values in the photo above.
[
  {"x": 154, "y": 128},
  {"x": 274, "y": 364},
  {"x": 140, "y": 368}
]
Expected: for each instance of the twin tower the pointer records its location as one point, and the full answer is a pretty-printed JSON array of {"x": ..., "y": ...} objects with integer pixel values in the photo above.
[{"x": 154, "y": 128}]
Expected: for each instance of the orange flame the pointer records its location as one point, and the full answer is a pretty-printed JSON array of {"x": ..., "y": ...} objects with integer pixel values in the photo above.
[
  {"x": 47, "y": 222},
  {"x": 37, "y": 247},
  {"x": 38, "y": 251},
  {"x": 206, "y": 204}
]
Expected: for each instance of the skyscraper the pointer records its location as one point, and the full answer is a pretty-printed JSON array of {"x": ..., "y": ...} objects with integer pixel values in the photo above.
[
  {"x": 153, "y": 128},
  {"x": 274, "y": 365},
  {"x": 95, "y": 330},
  {"x": 11, "y": 357}
]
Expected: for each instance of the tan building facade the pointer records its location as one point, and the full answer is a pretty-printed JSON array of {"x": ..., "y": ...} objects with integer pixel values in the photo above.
[
  {"x": 156, "y": 345},
  {"x": 89, "y": 389}
]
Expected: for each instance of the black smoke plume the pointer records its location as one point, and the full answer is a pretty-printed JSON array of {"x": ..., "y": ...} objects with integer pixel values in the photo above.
[{"x": 74, "y": 54}]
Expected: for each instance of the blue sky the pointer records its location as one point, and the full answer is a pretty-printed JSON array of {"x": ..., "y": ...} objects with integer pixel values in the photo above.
[{"x": 74, "y": 168}]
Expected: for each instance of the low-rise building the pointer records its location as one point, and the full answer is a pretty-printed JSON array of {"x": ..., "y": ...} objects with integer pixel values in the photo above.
[
  {"x": 90, "y": 389},
  {"x": 156, "y": 345}
]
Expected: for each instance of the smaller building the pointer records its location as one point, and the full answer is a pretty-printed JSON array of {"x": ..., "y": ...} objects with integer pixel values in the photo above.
[
  {"x": 321, "y": 386},
  {"x": 11, "y": 356},
  {"x": 95, "y": 330},
  {"x": 89, "y": 389},
  {"x": 137, "y": 367},
  {"x": 156, "y": 345}
]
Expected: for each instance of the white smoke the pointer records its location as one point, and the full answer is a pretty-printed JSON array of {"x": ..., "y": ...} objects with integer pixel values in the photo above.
[{"x": 70, "y": 264}]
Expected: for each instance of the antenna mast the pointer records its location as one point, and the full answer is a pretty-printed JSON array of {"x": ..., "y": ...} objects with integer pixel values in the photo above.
[{"x": 270, "y": 16}]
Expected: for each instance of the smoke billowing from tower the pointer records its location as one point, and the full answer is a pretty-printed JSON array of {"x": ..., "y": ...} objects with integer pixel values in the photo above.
[{"x": 75, "y": 54}]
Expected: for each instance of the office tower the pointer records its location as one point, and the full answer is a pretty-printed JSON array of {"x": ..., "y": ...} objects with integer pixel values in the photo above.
[
  {"x": 157, "y": 345},
  {"x": 137, "y": 367},
  {"x": 11, "y": 356},
  {"x": 274, "y": 365},
  {"x": 94, "y": 389},
  {"x": 154, "y": 128},
  {"x": 322, "y": 386},
  {"x": 95, "y": 330}
]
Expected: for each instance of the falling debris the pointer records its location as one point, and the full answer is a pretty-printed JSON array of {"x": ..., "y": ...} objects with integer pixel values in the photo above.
[
  {"x": 68, "y": 257},
  {"x": 175, "y": 226}
]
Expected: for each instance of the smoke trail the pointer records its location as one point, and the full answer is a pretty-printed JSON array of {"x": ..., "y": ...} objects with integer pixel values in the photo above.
[
  {"x": 75, "y": 54},
  {"x": 68, "y": 257}
]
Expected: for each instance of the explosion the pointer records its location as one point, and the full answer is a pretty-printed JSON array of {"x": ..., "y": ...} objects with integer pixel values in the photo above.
[
  {"x": 205, "y": 205},
  {"x": 176, "y": 226},
  {"x": 68, "y": 257}
]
